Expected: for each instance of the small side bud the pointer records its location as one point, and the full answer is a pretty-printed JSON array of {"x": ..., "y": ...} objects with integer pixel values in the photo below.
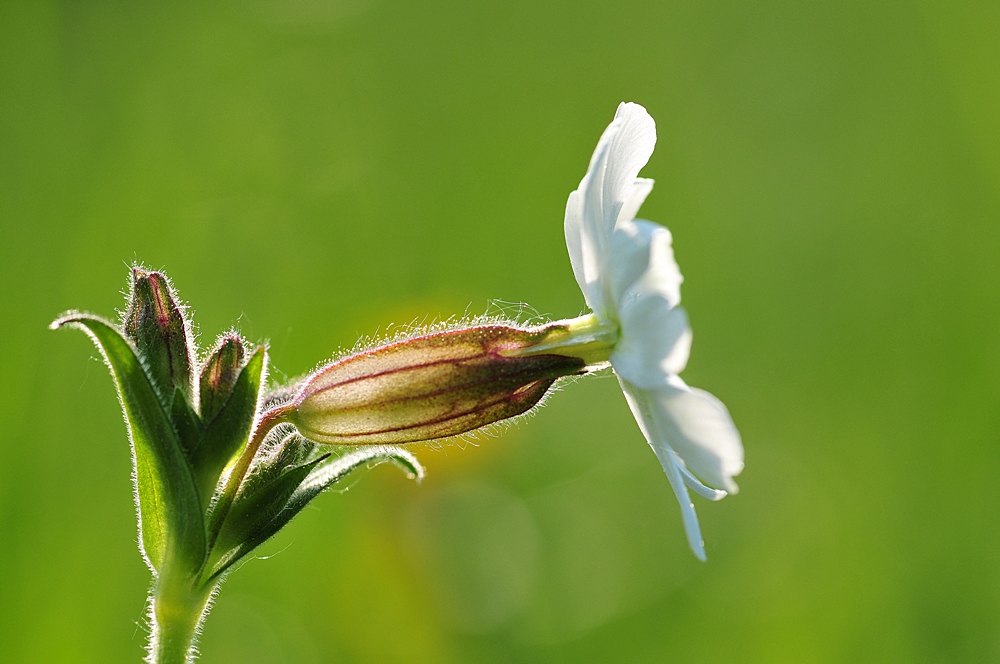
[
  {"x": 219, "y": 375},
  {"x": 155, "y": 324},
  {"x": 435, "y": 386}
]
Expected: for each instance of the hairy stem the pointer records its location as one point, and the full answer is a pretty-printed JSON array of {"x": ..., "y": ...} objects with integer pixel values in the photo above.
[{"x": 178, "y": 605}]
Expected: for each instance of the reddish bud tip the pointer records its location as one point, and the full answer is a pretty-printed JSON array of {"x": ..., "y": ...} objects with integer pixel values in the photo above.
[
  {"x": 156, "y": 325},
  {"x": 219, "y": 375}
]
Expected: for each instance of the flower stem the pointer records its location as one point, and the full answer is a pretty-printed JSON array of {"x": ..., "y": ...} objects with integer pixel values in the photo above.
[{"x": 178, "y": 607}]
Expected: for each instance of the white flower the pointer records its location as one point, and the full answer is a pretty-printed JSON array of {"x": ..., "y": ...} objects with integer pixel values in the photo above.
[{"x": 626, "y": 269}]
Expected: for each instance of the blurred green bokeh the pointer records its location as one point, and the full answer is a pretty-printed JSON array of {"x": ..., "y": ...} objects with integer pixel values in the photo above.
[{"x": 313, "y": 171}]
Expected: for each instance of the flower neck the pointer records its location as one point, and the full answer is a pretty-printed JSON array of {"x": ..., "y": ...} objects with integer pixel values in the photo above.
[{"x": 587, "y": 337}]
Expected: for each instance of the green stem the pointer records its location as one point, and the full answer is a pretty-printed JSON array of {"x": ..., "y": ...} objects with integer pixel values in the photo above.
[{"x": 179, "y": 605}]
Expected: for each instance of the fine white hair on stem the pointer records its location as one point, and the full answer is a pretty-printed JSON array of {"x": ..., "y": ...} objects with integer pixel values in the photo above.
[{"x": 152, "y": 644}]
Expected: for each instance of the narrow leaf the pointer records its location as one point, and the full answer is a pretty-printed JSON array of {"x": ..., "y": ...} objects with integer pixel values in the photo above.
[
  {"x": 252, "y": 517},
  {"x": 226, "y": 435},
  {"x": 170, "y": 518},
  {"x": 332, "y": 472},
  {"x": 186, "y": 422},
  {"x": 320, "y": 477}
]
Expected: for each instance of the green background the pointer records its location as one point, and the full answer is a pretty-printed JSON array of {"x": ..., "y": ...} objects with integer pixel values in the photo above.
[{"x": 316, "y": 171}]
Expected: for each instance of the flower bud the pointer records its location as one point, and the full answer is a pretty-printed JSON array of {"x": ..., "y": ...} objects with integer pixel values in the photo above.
[
  {"x": 157, "y": 327},
  {"x": 219, "y": 375},
  {"x": 434, "y": 386}
]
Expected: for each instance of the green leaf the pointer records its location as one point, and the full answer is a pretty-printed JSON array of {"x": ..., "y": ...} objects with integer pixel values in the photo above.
[
  {"x": 226, "y": 435},
  {"x": 171, "y": 521},
  {"x": 186, "y": 422},
  {"x": 332, "y": 472},
  {"x": 282, "y": 504},
  {"x": 257, "y": 514},
  {"x": 293, "y": 450}
]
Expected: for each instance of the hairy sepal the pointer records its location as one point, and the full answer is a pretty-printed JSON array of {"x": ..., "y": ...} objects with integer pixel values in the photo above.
[
  {"x": 435, "y": 386},
  {"x": 155, "y": 323},
  {"x": 219, "y": 374}
]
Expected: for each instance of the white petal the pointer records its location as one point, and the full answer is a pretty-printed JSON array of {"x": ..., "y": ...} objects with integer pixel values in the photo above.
[
  {"x": 583, "y": 255},
  {"x": 695, "y": 484},
  {"x": 609, "y": 187},
  {"x": 639, "y": 402},
  {"x": 655, "y": 342},
  {"x": 636, "y": 197},
  {"x": 698, "y": 428},
  {"x": 631, "y": 139},
  {"x": 640, "y": 259},
  {"x": 691, "y": 527}
]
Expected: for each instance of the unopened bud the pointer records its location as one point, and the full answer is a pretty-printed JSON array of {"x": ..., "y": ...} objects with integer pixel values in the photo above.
[
  {"x": 219, "y": 375},
  {"x": 154, "y": 322},
  {"x": 434, "y": 386}
]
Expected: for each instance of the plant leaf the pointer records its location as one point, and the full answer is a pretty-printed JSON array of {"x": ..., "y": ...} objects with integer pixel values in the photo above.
[
  {"x": 332, "y": 472},
  {"x": 318, "y": 477},
  {"x": 170, "y": 517},
  {"x": 256, "y": 516},
  {"x": 226, "y": 435},
  {"x": 186, "y": 423}
]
